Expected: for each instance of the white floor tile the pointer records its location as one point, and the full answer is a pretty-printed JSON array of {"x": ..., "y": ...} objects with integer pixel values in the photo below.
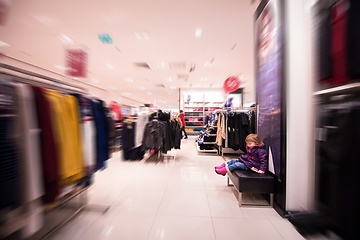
[
  {"x": 254, "y": 213},
  {"x": 271, "y": 214},
  {"x": 137, "y": 202},
  {"x": 119, "y": 228},
  {"x": 77, "y": 227},
  {"x": 186, "y": 180},
  {"x": 192, "y": 203},
  {"x": 245, "y": 229},
  {"x": 181, "y": 228},
  {"x": 223, "y": 204},
  {"x": 287, "y": 230}
]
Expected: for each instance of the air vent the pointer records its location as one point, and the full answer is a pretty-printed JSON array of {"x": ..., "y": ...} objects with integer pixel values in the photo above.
[
  {"x": 177, "y": 65},
  {"x": 183, "y": 76},
  {"x": 142, "y": 65},
  {"x": 159, "y": 85}
]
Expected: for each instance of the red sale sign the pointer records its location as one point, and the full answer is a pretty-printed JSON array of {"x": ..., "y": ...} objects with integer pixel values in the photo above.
[{"x": 76, "y": 63}]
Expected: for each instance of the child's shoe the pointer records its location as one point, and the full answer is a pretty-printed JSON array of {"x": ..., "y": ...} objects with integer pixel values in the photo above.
[
  {"x": 221, "y": 171},
  {"x": 221, "y": 166}
]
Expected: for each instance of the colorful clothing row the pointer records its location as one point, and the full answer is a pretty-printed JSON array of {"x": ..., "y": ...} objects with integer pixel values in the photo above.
[{"x": 48, "y": 140}]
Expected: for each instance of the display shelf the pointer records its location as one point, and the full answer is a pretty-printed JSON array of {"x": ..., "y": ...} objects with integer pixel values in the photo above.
[
  {"x": 194, "y": 121},
  {"x": 205, "y": 151},
  {"x": 194, "y": 126}
]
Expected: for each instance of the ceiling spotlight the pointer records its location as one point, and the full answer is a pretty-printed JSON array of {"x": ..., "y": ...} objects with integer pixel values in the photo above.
[{"x": 198, "y": 32}]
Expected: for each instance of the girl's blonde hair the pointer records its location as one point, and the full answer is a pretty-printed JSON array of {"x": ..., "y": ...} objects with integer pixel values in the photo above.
[{"x": 253, "y": 138}]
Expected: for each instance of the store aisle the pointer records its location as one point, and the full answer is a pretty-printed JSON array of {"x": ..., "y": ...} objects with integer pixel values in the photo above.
[{"x": 179, "y": 198}]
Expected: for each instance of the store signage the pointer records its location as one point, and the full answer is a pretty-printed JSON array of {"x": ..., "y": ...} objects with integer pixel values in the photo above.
[
  {"x": 76, "y": 61},
  {"x": 231, "y": 84},
  {"x": 105, "y": 38}
]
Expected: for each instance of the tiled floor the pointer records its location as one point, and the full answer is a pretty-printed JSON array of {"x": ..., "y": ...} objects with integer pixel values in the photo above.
[{"x": 179, "y": 198}]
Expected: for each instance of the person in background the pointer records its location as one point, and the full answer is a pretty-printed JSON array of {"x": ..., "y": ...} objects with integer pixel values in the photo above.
[
  {"x": 255, "y": 159},
  {"x": 182, "y": 118}
]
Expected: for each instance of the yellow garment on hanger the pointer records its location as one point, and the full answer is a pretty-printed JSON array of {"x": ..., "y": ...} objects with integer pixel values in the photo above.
[{"x": 66, "y": 122}]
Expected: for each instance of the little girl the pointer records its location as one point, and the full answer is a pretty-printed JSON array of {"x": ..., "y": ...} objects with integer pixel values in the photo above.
[{"x": 255, "y": 159}]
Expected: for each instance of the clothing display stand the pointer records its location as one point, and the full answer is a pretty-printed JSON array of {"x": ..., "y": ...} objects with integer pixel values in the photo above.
[
  {"x": 223, "y": 150},
  {"x": 77, "y": 191}
]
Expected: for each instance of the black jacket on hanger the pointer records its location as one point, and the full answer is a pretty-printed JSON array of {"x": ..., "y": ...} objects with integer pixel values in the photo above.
[{"x": 154, "y": 135}]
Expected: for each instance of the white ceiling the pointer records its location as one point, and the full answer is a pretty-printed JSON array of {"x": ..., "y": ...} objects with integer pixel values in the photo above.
[{"x": 33, "y": 27}]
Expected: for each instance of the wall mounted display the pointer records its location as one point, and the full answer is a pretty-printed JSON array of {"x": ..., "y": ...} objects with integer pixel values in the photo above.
[{"x": 270, "y": 88}]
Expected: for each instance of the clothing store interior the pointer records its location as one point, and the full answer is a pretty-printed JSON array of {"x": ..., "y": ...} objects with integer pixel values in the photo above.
[{"x": 164, "y": 119}]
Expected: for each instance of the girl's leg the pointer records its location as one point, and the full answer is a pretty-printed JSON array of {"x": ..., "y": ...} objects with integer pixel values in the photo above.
[
  {"x": 232, "y": 161},
  {"x": 237, "y": 165}
]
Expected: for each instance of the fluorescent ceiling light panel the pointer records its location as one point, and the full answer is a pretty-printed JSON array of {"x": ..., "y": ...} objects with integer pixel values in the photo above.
[
  {"x": 138, "y": 35},
  {"x": 198, "y": 32},
  {"x": 142, "y": 35},
  {"x": 146, "y": 35},
  {"x": 4, "y": 44},
  {"x": 149, "y": 93},
  {"x": 128, "y": 79},
  {"x": 109, "y": 66},
  {"x": 142, "y": 88},
  {"x": 65, "y": 38}
]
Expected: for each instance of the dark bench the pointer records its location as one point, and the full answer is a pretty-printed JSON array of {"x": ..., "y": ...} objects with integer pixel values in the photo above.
[{"x": 249, "y": 181}]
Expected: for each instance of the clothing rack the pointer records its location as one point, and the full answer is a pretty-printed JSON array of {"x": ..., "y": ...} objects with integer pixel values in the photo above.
[
  {"x": 81, "y": 189},
  {"x": 248, "y": 110}
]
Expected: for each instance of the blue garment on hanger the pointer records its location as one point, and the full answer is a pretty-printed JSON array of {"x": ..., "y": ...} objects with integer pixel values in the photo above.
[{"x": 102, "y": 153}]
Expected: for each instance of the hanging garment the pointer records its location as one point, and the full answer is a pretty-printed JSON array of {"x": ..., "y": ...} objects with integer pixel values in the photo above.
[
  {"x": 175, "y": 132},
  {"x": 339, "y": 22},
  {"x": 102, "y": 153},
  {"x": 116, "y": 109},
  {"x": 231, "y": 130},
  {"x": 49, "y": 152},
  {"x": 154, "y": 135},
  {"x": 88, "y": 134},
  {"x": 67, "y": 137},
  {"x": 139, "y": 129},
  {"x": 128, "y": 138},
  {"x": 31, "y": 163},
  {"x": 353, "y": 39},
  {"x": 219, "y": 130},
  {"x": 324, "y": 44},
  {"x": 10, "y": 187},
  {"x": 337, "y": 164}
]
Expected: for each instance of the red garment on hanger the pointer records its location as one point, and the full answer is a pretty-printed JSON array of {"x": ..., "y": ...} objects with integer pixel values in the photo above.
[{"x": 115, "y": 107}]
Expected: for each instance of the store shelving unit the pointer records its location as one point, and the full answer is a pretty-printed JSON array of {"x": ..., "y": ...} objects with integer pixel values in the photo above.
[{"x": 198, "y": 110}]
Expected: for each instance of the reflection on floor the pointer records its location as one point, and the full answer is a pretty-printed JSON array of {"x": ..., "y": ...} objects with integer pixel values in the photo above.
[{"x": 179, "y": 197}]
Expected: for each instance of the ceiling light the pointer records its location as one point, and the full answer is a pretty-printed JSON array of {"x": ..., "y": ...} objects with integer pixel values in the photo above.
[
  {"x": 142, "y": 88},
  {"x": 149, "y": 93},
  {"x": 94, "y": 80},
  {"x": 65, "y": 38},
  {"x": 146, "y": 35},
  {"x": 126, "y": 93},
  {"x": 3, "y": 44},
  {"x": 142, "y": 35},
  {"x": 138, "y": 35},
  {"x": 114, "y": 88},
  {"x": 198, "y": 32},
  {"x": 109, "y": 66},
  {"x": 128, "y": 79}
]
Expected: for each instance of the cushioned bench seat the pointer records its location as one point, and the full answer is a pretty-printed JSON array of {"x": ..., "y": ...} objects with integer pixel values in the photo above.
[{"x": 249, "y": 181}]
